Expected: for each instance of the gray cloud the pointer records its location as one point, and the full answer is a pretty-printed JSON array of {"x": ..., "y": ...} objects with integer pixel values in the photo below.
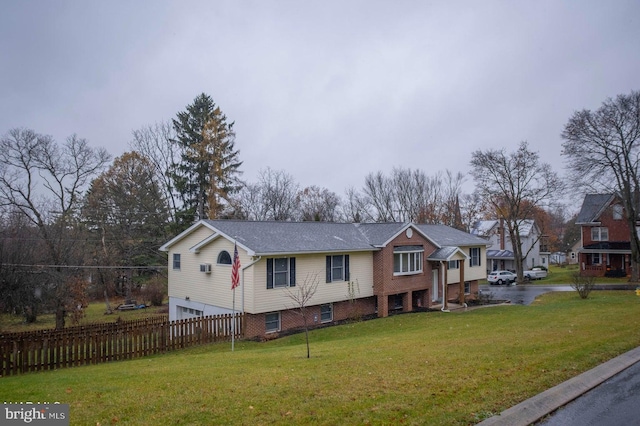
[{"x": 328, "y": 91}]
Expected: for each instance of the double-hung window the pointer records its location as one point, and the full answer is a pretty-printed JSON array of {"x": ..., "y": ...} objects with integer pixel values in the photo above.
[
  {"x": 281, "y": 272},
  {"x": 407, "y": 260},
  {"x": 337, "y": 268},
  {"x": 176, "y": 261},
  {"x": 599, "y": 233},
  {"x": 474, "y": 256}
]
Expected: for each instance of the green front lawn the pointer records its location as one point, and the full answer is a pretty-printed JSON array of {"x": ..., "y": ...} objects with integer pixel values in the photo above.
[{"x": 420, "y": 368}]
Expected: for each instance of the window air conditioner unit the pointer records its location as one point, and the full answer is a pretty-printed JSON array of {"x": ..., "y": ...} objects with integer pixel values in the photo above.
[{"x": 206, "y": 268}]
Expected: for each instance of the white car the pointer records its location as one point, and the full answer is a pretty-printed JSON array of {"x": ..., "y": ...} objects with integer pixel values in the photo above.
[{"x": 501, "y": 277}]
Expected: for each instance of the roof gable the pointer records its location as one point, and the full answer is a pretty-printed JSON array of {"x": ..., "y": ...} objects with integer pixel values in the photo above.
[{"x": 593, "y": 206}]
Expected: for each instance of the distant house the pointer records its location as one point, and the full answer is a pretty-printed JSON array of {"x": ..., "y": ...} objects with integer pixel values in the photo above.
[
  {"x": 362, "y": 269},
  {"x": 605, "y": 247},
  {"x": 500, "y": 254},
  {"x": 572, "y": 254}
]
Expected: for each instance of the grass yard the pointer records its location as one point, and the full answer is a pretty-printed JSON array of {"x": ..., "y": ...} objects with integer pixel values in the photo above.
[
  {"x": 421, "y": 368},
  {"x": 95, "y": 312}
]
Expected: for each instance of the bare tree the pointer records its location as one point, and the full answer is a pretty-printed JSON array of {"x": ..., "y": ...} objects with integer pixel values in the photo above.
[
  {"x": 157, "y": 144},
  {"x": 355, "y": 208},
  {"x": 273, "y": 197},
  {"x": 514, "y": 185},
  {"x": 318, "y": 204},
  {"x": 44, "y": 181},
  {"x": 301, "y": 295},
  {"x": 380, "y": 194},
  {"x": 603, "y": 154}
]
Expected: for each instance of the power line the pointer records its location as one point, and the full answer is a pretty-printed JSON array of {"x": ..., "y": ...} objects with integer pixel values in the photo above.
[{"x": 21, "y": 265}]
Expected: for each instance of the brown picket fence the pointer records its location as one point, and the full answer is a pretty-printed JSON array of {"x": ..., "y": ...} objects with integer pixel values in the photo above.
[{"x": 97, "y": 343}]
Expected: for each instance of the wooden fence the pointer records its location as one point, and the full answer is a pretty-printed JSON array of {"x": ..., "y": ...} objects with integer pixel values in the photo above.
[{"x": 98, "y": 343}]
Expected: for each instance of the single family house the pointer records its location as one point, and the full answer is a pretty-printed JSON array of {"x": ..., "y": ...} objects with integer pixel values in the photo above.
[
  {"x": 361, "y": 269},
  {"x": 500, "y": 253},
  {"x": 605, "y": 249}
]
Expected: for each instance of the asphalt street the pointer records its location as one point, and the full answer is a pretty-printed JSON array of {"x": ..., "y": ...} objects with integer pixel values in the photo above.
[
  {"x": 614, "y": 402},
  {"x": 520, "y": 294},
  {"x": 607, "y": 395}
]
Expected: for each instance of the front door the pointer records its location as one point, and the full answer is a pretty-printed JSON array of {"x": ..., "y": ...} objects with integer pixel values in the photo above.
[{"x": 434, "y": 291}]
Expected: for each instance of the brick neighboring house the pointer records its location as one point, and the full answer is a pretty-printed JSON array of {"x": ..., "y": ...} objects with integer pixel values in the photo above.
[
  {"x": 500, "y": 254},
  {"x": 362, "y": 269},
  {"x": 605, "y": 249}
]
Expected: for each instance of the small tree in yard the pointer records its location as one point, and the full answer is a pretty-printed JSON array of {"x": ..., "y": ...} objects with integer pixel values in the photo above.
[
  {"x": 302, "y": 295},
  {"x": 582, "y": 284}
]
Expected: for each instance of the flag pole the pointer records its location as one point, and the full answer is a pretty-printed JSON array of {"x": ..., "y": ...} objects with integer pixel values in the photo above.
[{"x": 235, "y": 280}]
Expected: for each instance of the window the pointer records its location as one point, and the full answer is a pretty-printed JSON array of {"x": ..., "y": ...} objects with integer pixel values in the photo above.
[
  {"x": 474, "y": 256},
  {"x": 599, "y": 233},
  {"x": 407, "y": 260},
  {"x": 281, "y": 272},
  {"x": 272, "y": 322},
  {"x": 467, "y": 287},
  {"x": 454, "y": 264},
  {"x": 337, "y": 268},
  {"x": 617, "y": 211},
  {"x": 176, "y": 261},
  {"x": 595, "y": 259},
  {"x": 192, "y": 312},
  {"x": 224, "y": 258},
  {"x": 326, "y": 313}
]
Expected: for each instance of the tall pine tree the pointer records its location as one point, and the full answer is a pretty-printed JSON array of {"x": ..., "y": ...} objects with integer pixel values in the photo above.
[{"x": 209, "y": 169}]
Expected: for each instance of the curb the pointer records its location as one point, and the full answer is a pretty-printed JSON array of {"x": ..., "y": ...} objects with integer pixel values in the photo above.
[{"x": 535, "y": 408}]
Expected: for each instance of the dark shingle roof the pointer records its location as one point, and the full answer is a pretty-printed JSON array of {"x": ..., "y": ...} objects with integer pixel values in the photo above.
[
  {"x": 293, "y": 237},
  {"x": 592, "y": 206},
  {"x": 273, "y": 237},
  {"x": 446, "y": 236}
]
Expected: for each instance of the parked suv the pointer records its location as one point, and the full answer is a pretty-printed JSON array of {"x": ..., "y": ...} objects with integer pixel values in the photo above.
[{"x": 501, "y": 277}]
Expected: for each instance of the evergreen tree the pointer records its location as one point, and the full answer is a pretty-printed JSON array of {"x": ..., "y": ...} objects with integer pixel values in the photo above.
[{"x": 209, "y": 168}]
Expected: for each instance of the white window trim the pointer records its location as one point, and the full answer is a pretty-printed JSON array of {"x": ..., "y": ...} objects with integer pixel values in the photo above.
[
  {"x": 417, "y": 262},
  {"x": 471, "y": 258},
  {"x": 600, "y": 233}
]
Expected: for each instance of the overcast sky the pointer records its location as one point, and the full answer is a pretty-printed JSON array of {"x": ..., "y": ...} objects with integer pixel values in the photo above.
[{"x": 327, "y": 91}]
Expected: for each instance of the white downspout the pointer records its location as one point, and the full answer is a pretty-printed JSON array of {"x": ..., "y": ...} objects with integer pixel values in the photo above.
[{"x": 444, "y": 284}]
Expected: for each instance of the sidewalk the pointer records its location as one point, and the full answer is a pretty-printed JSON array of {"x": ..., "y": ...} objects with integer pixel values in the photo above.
[{"x": 535, "y": 408}]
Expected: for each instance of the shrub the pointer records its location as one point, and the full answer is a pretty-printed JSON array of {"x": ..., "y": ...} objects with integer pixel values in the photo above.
[
  {"x": 154, "y": 291},
  {"x": 583, "y": 284}
]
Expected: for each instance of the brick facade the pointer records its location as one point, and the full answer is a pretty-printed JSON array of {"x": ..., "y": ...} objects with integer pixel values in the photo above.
[
  {"x": 611, "y": 259},
  {"x": 291, "y": 320},
  {"x": 408, "y": 290}
]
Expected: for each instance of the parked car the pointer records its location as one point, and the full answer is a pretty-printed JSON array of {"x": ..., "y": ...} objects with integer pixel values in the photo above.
[
  {"x": 535, "y": 274},
  {"x": 501, "y": 277}
]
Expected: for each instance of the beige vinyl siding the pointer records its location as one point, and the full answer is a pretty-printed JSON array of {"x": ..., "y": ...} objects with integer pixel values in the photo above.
[
  {"x": 309, "y": 267},
  {"x": 476, "y": 272},
  {"x": 453, "y": 275},
  {"x": 214, "y": 288}
]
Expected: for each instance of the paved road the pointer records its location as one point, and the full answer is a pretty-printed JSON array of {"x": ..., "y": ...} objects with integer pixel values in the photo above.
[
  {"x": 521, "y": 294},
  {"x": 614, "y": 402},
  {"x": 524, "y": 294}
]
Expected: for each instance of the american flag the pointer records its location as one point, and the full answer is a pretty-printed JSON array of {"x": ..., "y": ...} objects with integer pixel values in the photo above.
[{"x": 235, "y": 270}]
